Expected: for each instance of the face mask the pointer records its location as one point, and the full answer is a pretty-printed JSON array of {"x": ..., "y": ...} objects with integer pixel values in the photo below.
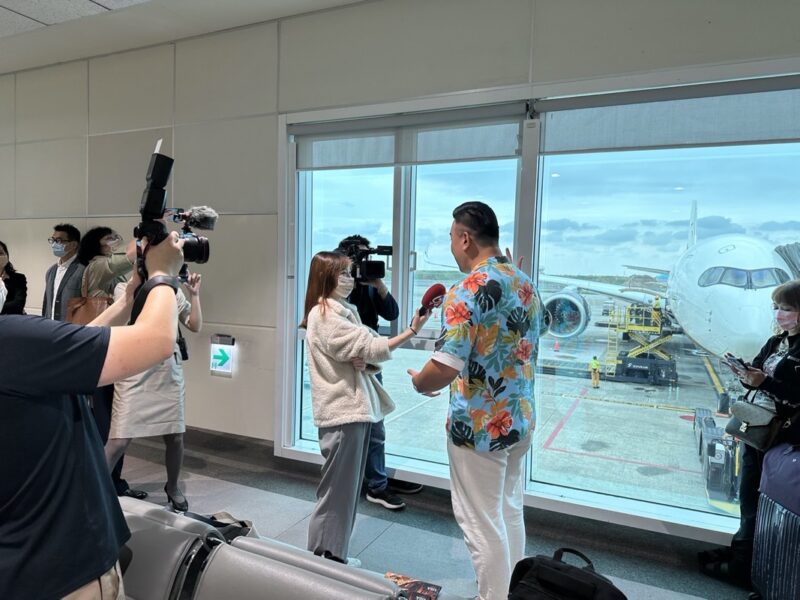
[
  {"x": 787, "y": 319},
  {"x": 59, "y": 249},
  {"x": 345, "y": 286}
]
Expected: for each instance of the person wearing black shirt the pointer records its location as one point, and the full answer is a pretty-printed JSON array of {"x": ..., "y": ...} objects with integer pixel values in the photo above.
[
  {"x": 16, "y": 285},
  {"x": 372, "y": 299},
  {"x": 774, "y": 376},
  {"x": 61, "y": 526}
]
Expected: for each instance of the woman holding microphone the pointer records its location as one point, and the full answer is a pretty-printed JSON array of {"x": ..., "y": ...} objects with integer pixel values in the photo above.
[{"x": 346, "y": 396}]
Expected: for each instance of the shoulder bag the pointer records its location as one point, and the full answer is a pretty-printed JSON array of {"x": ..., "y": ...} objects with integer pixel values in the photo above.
[
  {"x": 85, "y": 309},
  {"x": 756, "y": 425}
]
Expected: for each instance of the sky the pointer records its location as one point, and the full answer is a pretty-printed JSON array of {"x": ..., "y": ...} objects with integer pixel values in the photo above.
[{"x": 599, "y": 210}]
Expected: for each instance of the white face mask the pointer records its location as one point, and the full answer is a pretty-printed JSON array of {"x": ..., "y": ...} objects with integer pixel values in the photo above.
[
  {"x": 346, "y": 284},
  {"x": 58, "y": 249}
]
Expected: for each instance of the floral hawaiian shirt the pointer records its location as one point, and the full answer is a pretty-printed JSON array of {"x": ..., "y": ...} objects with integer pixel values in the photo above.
[{"x": 491, "y": 322}]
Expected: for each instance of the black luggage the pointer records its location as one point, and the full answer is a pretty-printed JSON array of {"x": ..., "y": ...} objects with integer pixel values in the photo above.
[
  {"x": 545, "y": 578},
  {"x": 776, "y": 549}
]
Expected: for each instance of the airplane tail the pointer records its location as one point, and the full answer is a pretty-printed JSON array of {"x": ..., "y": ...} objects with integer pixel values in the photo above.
[{"x": 692, "y": 226}]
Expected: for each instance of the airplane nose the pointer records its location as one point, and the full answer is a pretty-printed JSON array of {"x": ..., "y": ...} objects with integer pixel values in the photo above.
[{"x": 751, "y": 326}]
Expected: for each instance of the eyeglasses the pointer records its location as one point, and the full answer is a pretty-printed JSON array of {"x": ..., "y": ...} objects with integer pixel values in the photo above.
[{"x": 52, "y": 241}]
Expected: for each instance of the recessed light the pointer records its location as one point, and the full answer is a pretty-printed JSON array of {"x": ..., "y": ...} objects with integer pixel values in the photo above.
[{"x": 555, "y": 174}]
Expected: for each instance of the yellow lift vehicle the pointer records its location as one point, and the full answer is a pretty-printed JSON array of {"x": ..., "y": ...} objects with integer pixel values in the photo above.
[{"x": 647, "y": 361}]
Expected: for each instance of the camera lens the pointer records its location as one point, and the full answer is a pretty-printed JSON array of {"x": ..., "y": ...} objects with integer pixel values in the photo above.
[{"x": 195, "y": 248}]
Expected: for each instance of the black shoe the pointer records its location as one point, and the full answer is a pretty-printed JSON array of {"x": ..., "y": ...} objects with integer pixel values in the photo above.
[
  {"x": 386, "y": 500},
  {"x": 180, "y": 503},
  {"x": 132, "y": 493},
  {"x": 734, "y": 571},
  {"x": 404, "y": 487}
]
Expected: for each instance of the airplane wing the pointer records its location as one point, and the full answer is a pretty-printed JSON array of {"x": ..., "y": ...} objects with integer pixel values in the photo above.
[
  {"x": 648, "y": 269},
  {"x": 607, "y": 289}
]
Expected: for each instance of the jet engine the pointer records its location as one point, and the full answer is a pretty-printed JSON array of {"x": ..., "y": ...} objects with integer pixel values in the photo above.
[{"x": 569, "y": 313}]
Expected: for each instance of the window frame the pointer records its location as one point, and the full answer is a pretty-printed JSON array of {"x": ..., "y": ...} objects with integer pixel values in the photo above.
[{"x": 638, "y": 514}]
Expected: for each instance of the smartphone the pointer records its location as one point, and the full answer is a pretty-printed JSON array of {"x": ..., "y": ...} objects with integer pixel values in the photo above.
[{"x": 735, "y": 361}]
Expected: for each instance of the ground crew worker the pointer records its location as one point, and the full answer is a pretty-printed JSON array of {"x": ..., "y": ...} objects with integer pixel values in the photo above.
[{"x": 594, "y": 367}]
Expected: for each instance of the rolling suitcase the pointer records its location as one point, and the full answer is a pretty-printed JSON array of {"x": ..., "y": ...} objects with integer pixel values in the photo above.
[{"x": 776, "y": 549}]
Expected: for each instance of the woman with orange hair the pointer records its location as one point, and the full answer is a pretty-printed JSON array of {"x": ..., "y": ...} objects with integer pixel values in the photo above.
[{"x": 346, "y": 397}]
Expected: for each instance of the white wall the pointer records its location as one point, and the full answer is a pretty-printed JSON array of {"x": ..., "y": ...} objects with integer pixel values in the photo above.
[{"x": 75, "y": 138}]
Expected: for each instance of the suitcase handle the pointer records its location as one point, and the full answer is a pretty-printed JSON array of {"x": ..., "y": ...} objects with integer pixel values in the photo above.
[{"x": 561, "y": 551}]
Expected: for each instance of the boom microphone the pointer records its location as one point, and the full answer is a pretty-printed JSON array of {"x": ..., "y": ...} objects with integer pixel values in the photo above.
[
  {"x": 202, "y": 217},
  {"x": 432, "y": 298}
]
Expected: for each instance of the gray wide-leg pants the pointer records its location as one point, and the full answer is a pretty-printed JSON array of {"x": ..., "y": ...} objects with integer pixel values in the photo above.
[{"x": 344, "y": 449}]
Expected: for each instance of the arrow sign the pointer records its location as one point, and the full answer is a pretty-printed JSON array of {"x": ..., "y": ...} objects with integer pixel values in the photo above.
[{"x": 221, "y": 357}]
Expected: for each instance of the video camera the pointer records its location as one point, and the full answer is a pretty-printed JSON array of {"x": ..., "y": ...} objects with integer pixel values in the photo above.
[
  {"x": 153, "y": 208},
  {"x": 363, "y": 268}
]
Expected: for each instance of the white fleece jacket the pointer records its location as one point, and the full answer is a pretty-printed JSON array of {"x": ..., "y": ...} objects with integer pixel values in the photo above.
[{"x": 340, "y": 393}]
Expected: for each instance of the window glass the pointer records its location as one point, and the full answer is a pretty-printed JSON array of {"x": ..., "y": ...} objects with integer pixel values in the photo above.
[
  {"x": 764, "y": 278},
  {"x": 630, "y": 246},
  {"x": 711, "y": 276},
  {"x": 342, "y": 203},
  {"x": 439, "y": 189}
]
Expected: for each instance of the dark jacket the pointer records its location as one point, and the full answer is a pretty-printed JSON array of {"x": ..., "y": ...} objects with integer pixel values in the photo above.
[
  {"x": 17, "y": 287},
  {"x": 784, "y": 387},
  {"x": 370, "y": 305},
  {"x": 70, "y": 288}
]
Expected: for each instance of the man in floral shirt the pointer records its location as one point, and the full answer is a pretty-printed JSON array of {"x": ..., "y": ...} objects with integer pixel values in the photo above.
[{"x": 487, "y": 353}]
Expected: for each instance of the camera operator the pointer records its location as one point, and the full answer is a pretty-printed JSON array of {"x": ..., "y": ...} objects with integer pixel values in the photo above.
[
  {"x": 61, "y": 526},
  {"x": 372, "y": 299}
]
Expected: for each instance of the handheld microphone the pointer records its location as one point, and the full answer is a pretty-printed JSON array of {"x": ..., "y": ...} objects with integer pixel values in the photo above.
[{"x": 432, "y": 298}]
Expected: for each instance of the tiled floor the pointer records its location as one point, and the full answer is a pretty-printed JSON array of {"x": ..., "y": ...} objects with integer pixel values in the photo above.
[{"x": 243, "y": 478}]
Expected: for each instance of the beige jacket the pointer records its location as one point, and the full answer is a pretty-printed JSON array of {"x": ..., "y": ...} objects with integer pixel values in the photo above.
[
  {"x": 340, "y": 393},
  {"x": 103, "y": 273}
]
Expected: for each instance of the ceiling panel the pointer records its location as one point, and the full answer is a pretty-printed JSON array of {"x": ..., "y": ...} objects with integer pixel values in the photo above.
[
  {"x": 115, "y": 4},
  {"x": 18, "y": 16},
  {"x": 49, "y": 12},
  {"x": 11, "y": 23}
]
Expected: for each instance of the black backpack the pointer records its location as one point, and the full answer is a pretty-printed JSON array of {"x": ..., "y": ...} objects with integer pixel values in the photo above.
[{"x": 544, "y": 578}]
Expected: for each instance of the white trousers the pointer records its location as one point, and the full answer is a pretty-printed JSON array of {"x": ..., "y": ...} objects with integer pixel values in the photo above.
[{"x": 487, "y": 489}]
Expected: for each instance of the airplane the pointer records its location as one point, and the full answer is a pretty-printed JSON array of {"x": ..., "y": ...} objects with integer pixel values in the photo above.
[{"x": 718, "y": 293}]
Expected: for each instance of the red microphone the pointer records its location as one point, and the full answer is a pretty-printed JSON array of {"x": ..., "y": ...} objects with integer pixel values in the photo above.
[{"x": 432, "y": 298}]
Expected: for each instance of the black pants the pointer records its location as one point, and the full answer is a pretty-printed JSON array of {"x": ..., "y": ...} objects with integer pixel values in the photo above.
[
  {"x": 101, "y": 410},
  {"x": 750, "y": 478}
]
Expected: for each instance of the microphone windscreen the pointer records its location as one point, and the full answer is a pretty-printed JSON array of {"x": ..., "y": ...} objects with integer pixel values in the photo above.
[
  {"x": 202, "y": 217},
  {"x": 433, "y": 296}
]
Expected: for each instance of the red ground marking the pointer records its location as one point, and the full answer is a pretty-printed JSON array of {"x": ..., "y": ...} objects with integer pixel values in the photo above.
[
  {"x": 626, "y": 460},
  {"x": 551, "y": 438},
  {"x": 689, "y": 418}
]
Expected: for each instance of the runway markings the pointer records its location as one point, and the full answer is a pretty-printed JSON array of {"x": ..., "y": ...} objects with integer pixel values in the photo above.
[
  {"x": 548, "y": 444},
  {"x": 626, "y": 460},
  {"x": 624, "y": 402}
]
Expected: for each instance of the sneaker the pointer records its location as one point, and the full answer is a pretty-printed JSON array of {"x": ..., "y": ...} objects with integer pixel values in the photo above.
[
  {"x": 404, "y": 487},
  {"x": 353, "y": 562},
  {"x": 386, "y": 500}
]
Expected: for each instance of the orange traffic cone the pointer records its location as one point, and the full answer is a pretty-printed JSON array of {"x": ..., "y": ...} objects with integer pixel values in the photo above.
[{"x": 556, "y": 346}]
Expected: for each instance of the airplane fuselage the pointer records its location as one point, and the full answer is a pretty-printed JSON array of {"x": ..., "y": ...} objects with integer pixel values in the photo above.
[{"x": 720, "y": 292}]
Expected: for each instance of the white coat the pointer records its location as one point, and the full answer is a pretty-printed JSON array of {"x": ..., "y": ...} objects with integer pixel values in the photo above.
[{"x": 340, "y": 393}]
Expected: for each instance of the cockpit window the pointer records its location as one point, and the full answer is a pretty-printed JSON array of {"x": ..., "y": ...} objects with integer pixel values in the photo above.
[
  {"x": 711, "y": 276},
  {"x": 742, "y": 278},
  {"x": 734, "y": 277}
]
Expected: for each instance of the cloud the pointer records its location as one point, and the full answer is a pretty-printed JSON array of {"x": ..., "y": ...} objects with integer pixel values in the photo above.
[
  {"x": 780, "y": 226},
  {"x": 716, "y": 225},
  {"x": 566, "y": 225},
  {"x": 663, "y": 238},
  {"x": 619, "y": 235}
]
